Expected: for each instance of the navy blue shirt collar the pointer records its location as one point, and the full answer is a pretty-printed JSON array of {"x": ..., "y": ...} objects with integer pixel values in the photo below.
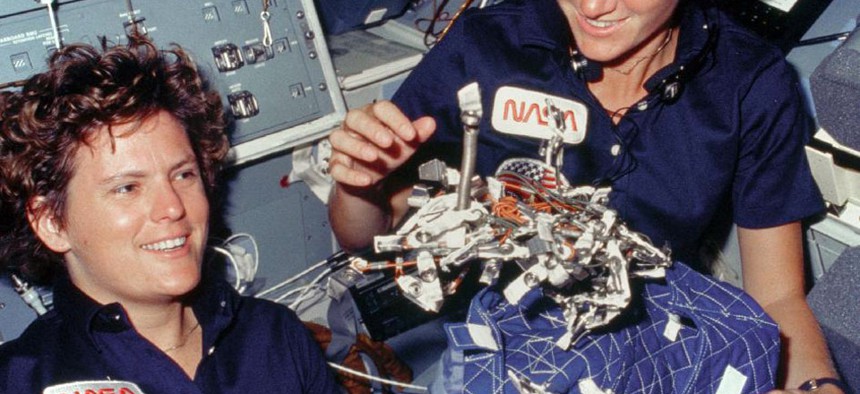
[
  {"x": 698, "y": 30},
  {"x": 249, "y": 346},
  {"x": 214, "y": 305},
  {"x": 85, "y": 315}
]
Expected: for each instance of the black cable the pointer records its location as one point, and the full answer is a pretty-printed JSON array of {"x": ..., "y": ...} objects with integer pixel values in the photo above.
[
  {"x": 823, "y": 39},
  {"x": 439, "y": 15}
]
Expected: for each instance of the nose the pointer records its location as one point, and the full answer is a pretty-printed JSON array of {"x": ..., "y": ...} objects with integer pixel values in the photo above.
[
  {"x": 595, "y": 8},
  {"x": 167, "y": 203}
]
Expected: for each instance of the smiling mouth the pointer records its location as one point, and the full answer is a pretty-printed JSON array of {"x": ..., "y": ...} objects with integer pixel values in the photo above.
[
  {"x": 166, "y": 245},
  {"x": 602, "y": 24}
]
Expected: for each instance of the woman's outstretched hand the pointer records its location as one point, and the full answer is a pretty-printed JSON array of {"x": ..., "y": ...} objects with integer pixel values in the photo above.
[{"x": 374, "y": 141}]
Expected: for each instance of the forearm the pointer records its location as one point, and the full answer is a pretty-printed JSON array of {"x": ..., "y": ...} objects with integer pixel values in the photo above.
[
  {"x": 357, "y": 215},
  {"x": 804, "y": 349},
  {"x": 773, "y": 275}
]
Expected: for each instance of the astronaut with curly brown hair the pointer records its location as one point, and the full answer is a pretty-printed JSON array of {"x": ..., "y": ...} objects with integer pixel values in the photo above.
[{"x": 107, "y": 163}]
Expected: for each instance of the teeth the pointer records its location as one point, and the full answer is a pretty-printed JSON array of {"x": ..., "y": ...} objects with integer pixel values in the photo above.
[
  {"x": 600, "y": 24},
  {"x": 167, "y": 244}
]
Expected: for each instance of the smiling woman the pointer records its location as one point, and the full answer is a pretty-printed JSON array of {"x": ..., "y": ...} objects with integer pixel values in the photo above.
[
  {"x": 135, "y": 198},
  {"x": 694, "y": 122},
  {"x": 106, "y": 164}
]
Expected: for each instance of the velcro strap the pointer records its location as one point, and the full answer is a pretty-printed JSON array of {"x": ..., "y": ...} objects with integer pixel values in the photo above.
[{"x": 465, "y": 336}]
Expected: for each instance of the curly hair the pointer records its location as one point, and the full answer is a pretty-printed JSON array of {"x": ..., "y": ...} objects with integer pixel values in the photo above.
[{"x": 56, "y": 112}]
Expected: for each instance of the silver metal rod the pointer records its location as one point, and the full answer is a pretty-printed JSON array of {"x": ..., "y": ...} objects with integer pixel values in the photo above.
[
  {"x": 467, "y": 167},
  {"x": 469, "y": 99}
]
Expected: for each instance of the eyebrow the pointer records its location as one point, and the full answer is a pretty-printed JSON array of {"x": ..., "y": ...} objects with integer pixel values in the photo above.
[{"x": 190, "y": 159}]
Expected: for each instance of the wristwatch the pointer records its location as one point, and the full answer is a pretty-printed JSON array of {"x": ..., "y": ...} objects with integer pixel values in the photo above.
[{"x": 814, "y": 384}]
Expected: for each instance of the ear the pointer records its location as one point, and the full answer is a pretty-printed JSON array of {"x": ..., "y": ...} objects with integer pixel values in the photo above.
[{"x": 46, "y": 226}]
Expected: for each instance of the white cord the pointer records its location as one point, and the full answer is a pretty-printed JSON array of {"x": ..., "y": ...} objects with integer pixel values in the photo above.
[
  {"x": 53, "y": 17},
  {"x": 245, "y": 268},
  {"x": 291, "y": 292},
  {"x": 295, "y": 304},
  {"x": 293, "y": 279},
  {"x": 233, "y": 262},
  {"x": 376, "y": 378},
  {"x": 251, "y": 272}
]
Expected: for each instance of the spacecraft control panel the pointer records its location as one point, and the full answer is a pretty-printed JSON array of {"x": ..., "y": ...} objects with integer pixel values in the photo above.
[{"x": 268, "y": 58}]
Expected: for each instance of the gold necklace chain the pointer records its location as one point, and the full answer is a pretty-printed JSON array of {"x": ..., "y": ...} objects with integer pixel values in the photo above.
[
  {"x": 643, "y": 58},
  {"x": 184, "y": 339}
]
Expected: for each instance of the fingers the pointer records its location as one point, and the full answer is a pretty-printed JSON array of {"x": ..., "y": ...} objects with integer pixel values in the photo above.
[
  {"x": 381, "y": 123},
  {"x": 365, "y": 125},
  {"x": 340, "y": 168},
  {"x": 351, "y": 157},
  {"x": 373, "y": 141},
  {"x": 394, "y": 119},
  {"x": 353, "y": 144}
]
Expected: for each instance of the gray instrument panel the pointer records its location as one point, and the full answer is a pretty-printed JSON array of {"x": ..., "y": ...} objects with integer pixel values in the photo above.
[{"x": 287, "y": 89}]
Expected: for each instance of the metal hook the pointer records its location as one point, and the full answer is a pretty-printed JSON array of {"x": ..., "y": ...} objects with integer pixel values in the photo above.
[{"x": 267, "y": 30}]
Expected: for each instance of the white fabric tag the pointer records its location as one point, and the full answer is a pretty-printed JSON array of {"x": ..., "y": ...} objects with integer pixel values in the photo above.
[
  {"x": 95, "y": 387},
  {"x": 673, "y": 326},
  {"x": 587, "y": 386},
  {"x": 518, "y": 111},
  {"x": 482, "y": 336},
  {"x": 732, "y": 381}
]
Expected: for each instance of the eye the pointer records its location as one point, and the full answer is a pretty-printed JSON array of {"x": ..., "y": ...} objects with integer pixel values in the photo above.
[
  {"x": 125, "y": 189},
  {"x": 187, "y": 174}
]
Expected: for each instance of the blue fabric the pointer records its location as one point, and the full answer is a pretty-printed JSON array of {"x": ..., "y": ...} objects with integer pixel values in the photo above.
[
  {"x": 731, "y": 148},
  {"x": 721, "y": 326},
  {"x": 249, "y": 345}
]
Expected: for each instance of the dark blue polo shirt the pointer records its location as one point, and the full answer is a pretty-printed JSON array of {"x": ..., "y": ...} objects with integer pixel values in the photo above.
[
  {"x": 249, "y": 345},
  {"x": 729, "y": 148}
]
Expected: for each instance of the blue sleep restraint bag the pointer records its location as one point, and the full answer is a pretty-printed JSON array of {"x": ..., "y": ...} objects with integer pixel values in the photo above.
[{"x": 687, "y": 334}]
